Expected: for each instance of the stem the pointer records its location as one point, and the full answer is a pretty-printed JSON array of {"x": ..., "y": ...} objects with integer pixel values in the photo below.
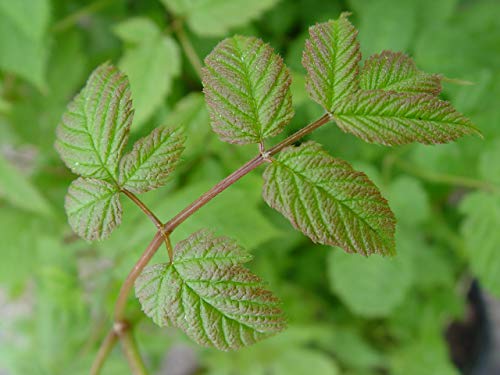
[
  {"x": 447, "y": 179},
  {"x": 187, "y": 46},
  {"x": 144, "y": 208},
  {"x": 132, "y": 353},
  {"x": 73, "y": 18},
  {"x": 127, "y": 286},
  {"x": 170, "y": 226},
  {"x": 106, "y": 347}
]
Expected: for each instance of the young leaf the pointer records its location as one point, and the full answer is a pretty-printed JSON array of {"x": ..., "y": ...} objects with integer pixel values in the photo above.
[
  {"x": 331, "y": 57},
  {"x": 395, "y": 71},
  {"x": 93, "y": 208},
  {"x": 392, "y": 118},
  {"x": 96, "y": 125},
  {"x": 247, "y": 88},
  {"x": 207, "y": 293},
  {"x": 151, "y": 161},
  {"x": 329, "y": 201}
]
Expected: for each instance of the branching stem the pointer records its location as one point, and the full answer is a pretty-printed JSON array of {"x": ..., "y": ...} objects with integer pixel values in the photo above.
[{"x": 178, "y": 219}]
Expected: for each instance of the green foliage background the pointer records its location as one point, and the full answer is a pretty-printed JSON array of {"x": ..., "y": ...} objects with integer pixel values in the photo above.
[{"x": 347, "y": 314}]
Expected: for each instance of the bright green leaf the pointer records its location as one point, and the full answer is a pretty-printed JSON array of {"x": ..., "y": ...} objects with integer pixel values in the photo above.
[
  {"x": 489, "y": 165},
  {"x": 395, "y": 71},
  {"x": 481, "y": 235},
  {"x": 331, "y": 58},
  {"x": 391, "y": 118},
  {"x": 151, "y": 62},
  {"x": 329, "y": 201},
  {"x": 207, "y": 293},
  {"x": 93, "y": 208},
  {"x": 217, "y": 17},
  {"x": 247, "y": 88},
  {"x": 24, "y": 48},
  {"x": 151, "y": 161},
  {"x": 96, "y": 125},
  {"x": 371, "y": 287},
  {"x": 19, "y": 191}
]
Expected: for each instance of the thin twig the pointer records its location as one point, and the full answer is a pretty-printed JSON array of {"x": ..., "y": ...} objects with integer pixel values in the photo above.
[
  {"x": 187, "y": 47},
  {"x": 132, "y": 353},
  {"x": 158, "y": 224},
  {"x": 447, "y": 179},
  {"x": 106, "y": 347},
  {"x": 73, "y": 18}
]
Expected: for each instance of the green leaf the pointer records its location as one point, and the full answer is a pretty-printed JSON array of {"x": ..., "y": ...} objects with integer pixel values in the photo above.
[
  {"x": 95, "y": 128},
  {"x": 151, "y": 62},
  {"x": 371, "y": 287},
  {"x": 247, "y": 89},
  {"x": 395, "y": 71},
  {"x": 151, "y": 161},
  {"x": 93, "y": 208},
  {"x": 24, "y": 48},
  {"x": 210, "y": 18},
  {"x": 19, "y": 191},
  {"x": 329, "y": 201},
  {"x": 392, "y": 118},
  {"x": 207, "y": 293},
  {"x": 481, "y": 235},
  {"x": 331, "y": 58},
  {"x": 489, "y": 167}
]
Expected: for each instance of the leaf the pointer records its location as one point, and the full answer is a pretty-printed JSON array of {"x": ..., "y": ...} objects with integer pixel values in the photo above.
[
  {"x": 247, "y": 89},
  {"x": 331, "y": 57},
  {"x": 151, "y": 62},
  {"x": 24, "y": 47},
  {"x": 151, "y": 161},
  {"x": 93, "y": 207},
  {"x": 391, "y": 118},
  {"x": 208, "y": 294},
  {"x": 95, "y": 127},
  {"x": 209, "y": 18},
  {"x": 395, "y": 71},
  {"x": 20, "y": 192},
  {"x": 481, "y": 235},
  {"x": 329, "y": 201},
  {"x": 371, "y": 287}
]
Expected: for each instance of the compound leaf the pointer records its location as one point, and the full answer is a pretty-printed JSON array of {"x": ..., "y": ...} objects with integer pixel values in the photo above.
[
  {"x": 93, "y": 208},
  {"x": 331, "y": 57},
  {"x": 207, "y": 293},
  {"x": 395, "y": 71},
  {"x": 96, "y": 125},
  {"x": 392, "y": 118},
  {"x": 217, "y": 17},
  {"x": 329, "y": 201},
  {"x": 151, "y": 160},
  {"x": 247, "y": 88}
]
